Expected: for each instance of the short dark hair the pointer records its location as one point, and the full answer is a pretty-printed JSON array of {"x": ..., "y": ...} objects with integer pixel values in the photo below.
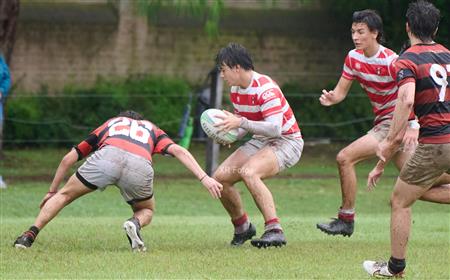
[
  {"x": 373, "y": 21},
  {"x": 423, "y": 19},
  {"x": 131, "y": 114},
  {"x": 234, "y": 54}
]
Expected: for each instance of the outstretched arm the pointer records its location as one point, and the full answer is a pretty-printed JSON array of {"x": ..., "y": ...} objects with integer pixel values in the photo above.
[
  {"x": 339, "y": 93},
  {"x": 186, "y": 158},
  {"x": 66, "y": 163}
]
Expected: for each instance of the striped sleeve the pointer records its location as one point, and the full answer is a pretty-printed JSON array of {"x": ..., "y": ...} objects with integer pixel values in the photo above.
[
  {"x": 163, "y": 142},
  {"x": 347, "y": 71},
  {"x": 92, "y": 142},
  {"x": 405, "y": 72},
  {"x": 270, "y": 102}
]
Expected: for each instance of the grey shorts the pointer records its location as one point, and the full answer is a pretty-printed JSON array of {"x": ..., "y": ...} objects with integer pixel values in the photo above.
[
  {"x": 131, "y": 173},
  {"x": 288, "y": 149},
  {"x": 426, "y": 165},
  {"x": 381, "y": 130}
]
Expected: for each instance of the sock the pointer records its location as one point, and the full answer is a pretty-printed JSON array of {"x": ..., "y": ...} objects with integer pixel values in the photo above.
[
  {"x": 347, "y": 215},
  {"x": 273, "y": 224},
  {"x": 136, "y": 222},
  {"x": 396, "y": 266},
  {"x": 241, "y": 224},
  {"x": 34, "y": 231}
]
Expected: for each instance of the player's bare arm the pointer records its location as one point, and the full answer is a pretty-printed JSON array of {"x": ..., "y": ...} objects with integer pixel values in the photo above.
[
  {"x": 186, "y": 158},
  {"x": 66, "y": 163},
  {"x": 405, "y": 101},
  {"x": 410, "y": 140},
  {"x": 339, "y": 93},
  {"x": 388, "y": 147}
]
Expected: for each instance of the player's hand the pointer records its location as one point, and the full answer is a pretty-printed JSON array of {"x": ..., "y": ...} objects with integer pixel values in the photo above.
[
  {"x": 46, "y": 198},
  {"x": 229, "y": 121},
  {"x": 385, "y": 150},
  {"x": 327, "y": 98},
  {"x": 410, "y": 139},
  {"x": 375, "y": 175},
  {"x": 214, "y": 188},
  {"x": 226, "y": 145}
]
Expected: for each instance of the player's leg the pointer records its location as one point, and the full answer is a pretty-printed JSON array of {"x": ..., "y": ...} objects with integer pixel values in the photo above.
[
  {"x": 361, "y": 149},
  {"x": 72, "y": 190},
  {"x": 262, "y": 165},
  {"x": 142, "y": 216},
  {"x": 275, "y": 156},
  {"x": 418, "y": 174},
  {"x": 403, "y": 196},
  {"x": 438, "y": 194},
  {"x": 228, "y": 174},
  {"x": 136, "y": 186}
]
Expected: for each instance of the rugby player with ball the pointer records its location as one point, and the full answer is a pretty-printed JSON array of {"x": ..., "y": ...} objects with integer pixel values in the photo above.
[{"x": 261, "y": 109}]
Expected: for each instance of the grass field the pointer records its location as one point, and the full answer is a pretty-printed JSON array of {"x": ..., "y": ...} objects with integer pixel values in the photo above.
[{"x": 189, "y": 235}]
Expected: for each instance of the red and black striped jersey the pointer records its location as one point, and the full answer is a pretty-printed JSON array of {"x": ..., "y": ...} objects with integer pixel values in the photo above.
[
  {"x": 139, "y": 137},
  {"x": 428, "y": 66}
]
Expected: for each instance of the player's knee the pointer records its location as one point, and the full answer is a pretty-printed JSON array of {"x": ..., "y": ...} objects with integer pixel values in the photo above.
[
  {"x": 396, "y": 202},
  {"x": 247, "y": 173},
  {"x": 222, "y": 175},
  {"x": 343, "y": 158},
  {"x": 65, "y": 197}
]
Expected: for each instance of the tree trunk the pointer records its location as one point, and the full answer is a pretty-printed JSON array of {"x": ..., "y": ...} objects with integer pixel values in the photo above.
[{"x": 9, "y": 13}]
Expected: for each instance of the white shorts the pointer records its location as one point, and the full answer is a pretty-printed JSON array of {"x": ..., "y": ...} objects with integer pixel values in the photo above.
[
  {"x": 287, "y": 148},
  {"x": 131, "y": 173}
]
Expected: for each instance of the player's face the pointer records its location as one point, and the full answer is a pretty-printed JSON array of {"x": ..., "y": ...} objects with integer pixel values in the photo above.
[
  {"x": 230, "y": 75},
  {"x": 362, "y": 37}
]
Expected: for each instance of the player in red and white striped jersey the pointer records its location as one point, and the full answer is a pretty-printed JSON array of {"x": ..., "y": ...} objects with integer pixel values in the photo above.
[
  {"x": 120, "y": 152},
  {"x": 261, "y": 109},
  {"x": 372, "y": 65}
]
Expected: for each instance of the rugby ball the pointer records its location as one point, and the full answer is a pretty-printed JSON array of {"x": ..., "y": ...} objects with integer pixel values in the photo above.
[{"x": 208, "y": 119}]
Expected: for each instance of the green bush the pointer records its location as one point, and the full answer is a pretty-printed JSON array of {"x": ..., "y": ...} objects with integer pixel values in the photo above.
[{"x": 69, "y": 116}]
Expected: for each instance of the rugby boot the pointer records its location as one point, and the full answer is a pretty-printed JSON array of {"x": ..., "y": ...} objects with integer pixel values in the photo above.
[
  {"x": 240, "y": 238},
  {"x": 274, "y": 237},
  {"x": 380, "y": 270},
  {"x": 132, "y": 229},
  {"x": 337, "y": 226},
  {"x": 25, "y": 240}
]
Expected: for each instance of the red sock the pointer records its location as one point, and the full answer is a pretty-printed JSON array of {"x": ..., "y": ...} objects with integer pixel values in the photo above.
[{"x": 273, "y": 224}]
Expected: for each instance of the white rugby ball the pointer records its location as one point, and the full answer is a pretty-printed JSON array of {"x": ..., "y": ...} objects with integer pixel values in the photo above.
[{"x": 208, "y": 119}]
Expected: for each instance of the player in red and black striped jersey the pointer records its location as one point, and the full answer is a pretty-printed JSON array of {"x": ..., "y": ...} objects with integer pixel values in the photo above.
[
  {"x": 428, "y": 65},
  {"x": 423, "y": 78},
  {"x": 120, "y": 152}
]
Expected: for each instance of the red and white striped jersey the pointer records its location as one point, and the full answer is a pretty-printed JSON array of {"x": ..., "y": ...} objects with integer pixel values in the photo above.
[
  {"x": 262, "y": 99},
  {"x": 376, "y": 75}
]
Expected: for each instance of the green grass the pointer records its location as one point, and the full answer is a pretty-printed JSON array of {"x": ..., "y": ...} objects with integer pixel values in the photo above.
[{"x": 189, "y": 235}]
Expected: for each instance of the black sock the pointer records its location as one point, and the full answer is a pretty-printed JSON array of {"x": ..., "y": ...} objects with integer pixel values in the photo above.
[
  {"x": 396, "y": 265},
  {"x": 34, "y": 230},
  {"x": 136, "y": 222}
]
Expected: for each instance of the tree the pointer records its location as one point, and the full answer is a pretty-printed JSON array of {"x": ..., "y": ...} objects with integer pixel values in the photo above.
[
  {"x": 9, "y": 13},
  {"x": 209, "y": 11}
]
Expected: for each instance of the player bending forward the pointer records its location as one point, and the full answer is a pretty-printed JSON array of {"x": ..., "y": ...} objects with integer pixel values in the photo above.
[{"x": 122, "y": 150}]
